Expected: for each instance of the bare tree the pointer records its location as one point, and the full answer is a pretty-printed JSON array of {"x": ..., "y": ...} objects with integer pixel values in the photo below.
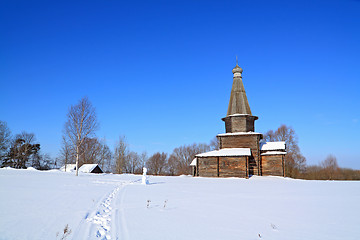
[
  {"x": 157, "y": 163},
  {"x": 172, "y": 165},
  {"x": 42, "y": 161},
  {"x": 295, "y": 162},
  {"x": 67, "y": 154},
  {"x": 181, "y": 157},
  {"x": 133, "y": 162},
  {"x": 5, "y": 139},
  {"x": 142, "y": 162},
  {"x": 121, "y": 155},
  {"x": 105, "y": 157},
  {"x": 90, "y": 151},
  {"x": 214, "y": 144},
  {"x": 330, "y": 167},
  {"x": 81, "y": 124}
]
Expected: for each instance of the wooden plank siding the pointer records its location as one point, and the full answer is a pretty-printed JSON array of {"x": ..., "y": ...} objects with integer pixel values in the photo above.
[{"x": 272, "y": 165}]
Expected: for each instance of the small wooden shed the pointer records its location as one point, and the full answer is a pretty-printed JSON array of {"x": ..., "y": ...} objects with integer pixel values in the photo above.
[{"x": 90, "y": 168}]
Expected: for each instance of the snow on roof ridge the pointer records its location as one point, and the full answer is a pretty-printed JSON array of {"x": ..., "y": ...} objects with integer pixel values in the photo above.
[
  {"x": 267, "y": 146},
  {"x": 274, "y": 153},
  {"x": 226, "y": 152},
  {"x": 238, "y": 133},
  {"x": 239, "y": 114}
]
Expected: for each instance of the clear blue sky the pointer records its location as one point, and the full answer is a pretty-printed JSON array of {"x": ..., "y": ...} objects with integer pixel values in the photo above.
[{"x": 159, "y": 72}]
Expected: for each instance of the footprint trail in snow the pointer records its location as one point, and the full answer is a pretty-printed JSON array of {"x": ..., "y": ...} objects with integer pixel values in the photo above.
[{"x": 102, "y": 218}]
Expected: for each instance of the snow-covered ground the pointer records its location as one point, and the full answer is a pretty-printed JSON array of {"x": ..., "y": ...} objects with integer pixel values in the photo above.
[{"x": 39, "y": 205}]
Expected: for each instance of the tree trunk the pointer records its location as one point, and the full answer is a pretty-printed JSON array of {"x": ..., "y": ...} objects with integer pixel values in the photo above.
[{"x": 77, "y": 160}]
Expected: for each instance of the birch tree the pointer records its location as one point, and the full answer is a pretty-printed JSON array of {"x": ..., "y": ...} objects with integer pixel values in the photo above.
[{"x": 81, "y": 124}]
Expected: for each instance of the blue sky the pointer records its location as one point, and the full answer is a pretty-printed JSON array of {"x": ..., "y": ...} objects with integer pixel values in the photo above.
[{"x": 159, "y": 72}]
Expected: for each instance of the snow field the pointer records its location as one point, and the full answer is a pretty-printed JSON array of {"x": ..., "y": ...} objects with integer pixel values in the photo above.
[{"x": 38, "y": 205}]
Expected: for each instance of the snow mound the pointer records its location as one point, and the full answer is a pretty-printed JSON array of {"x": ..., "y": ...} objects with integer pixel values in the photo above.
[{"x": 31, "y": 169}]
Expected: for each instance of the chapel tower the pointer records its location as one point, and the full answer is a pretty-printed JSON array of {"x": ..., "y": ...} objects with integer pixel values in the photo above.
[
  {"x": 241, "y": 152},
  {"x": 240, "y": 124},
  {"x": 239, "y": 117}
]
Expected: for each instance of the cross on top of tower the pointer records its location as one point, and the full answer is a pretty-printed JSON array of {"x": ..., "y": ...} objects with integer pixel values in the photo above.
[{"x": 237, "y": 69}]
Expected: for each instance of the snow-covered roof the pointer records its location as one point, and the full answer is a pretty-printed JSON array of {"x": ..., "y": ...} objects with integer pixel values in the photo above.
[
  {"x": 271, "y": 146},
  {"x": 273, "y": 153},
  {"x": 87, "y": 168},
  {"x": 238, "y": 133},
  {"x": 69, "y": 167},
  {"x": 238, "y": 114},
  {"x": 226, "y": 152},
  {"x": 193, "y": 162}
]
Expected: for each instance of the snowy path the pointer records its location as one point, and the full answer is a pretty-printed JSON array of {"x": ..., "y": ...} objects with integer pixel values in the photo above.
[
  {"x": 119, "y": 223},
  {"x": 107, "y": 220}
]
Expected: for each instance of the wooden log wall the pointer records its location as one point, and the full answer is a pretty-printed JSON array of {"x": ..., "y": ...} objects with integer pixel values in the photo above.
[
  {"x": 245, "y": 141},
  {"x": 207, "y": 166},
  {"x": 232, "y": 167},
  {"x": 222, "y": 167},
  {"x": 272, "y": 165},
  {"x": 240, "y": 123}
]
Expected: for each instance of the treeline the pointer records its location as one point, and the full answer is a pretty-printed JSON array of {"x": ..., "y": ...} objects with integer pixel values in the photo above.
[
  {"x": 178, "y": 162},
  {"x": 330, "y": 170},
  {"x": 124, "y": 160},
  {"x": 23, "y": 150},
  {"x": 295, "y": 162}
]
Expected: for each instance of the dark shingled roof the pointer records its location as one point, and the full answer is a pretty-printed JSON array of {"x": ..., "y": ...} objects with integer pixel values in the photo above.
[{"x": 238, "y": 103}]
